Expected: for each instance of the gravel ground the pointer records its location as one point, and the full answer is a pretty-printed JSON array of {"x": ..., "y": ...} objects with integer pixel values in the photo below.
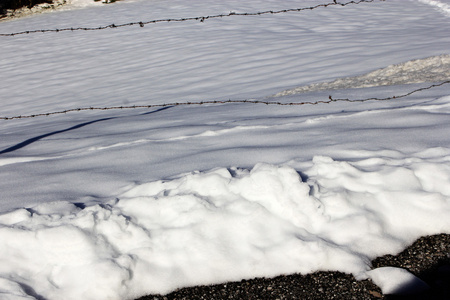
[{"x": 428, "y": 258}]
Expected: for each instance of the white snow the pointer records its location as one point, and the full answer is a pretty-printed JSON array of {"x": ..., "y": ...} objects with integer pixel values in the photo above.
[
  {"x": 397, "y": 281},
  {"x": 163, "y": 198},
  {"x": 71, "y": 4}
]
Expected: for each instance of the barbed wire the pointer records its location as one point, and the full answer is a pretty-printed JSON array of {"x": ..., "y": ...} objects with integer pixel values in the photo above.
[
  {"x": 248, "y": 101},
  {"x": 201, "y": 19}
]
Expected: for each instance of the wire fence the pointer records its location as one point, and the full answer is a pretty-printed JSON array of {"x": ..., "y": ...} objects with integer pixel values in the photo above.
[
  {"x": 201, "y": 18},
  {"x": 247, "y": 101}
]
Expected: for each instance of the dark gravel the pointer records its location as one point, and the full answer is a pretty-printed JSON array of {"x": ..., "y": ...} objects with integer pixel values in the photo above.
[{"x": 428, "y": 258}]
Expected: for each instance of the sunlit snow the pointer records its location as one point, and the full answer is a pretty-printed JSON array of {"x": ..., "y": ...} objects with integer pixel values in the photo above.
[
  {"x": 405, "y": 283},
  {"x": 117, "y": 204}
]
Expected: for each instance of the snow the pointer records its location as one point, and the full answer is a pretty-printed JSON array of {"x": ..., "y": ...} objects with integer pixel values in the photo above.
[
  {"x": 440, "y": 5},
  {"x": 405, "y": 283},
  {"x": 430, "y": 69},
  {"x": 82, "y": 4},
  {"x": 177, "y": 196}
]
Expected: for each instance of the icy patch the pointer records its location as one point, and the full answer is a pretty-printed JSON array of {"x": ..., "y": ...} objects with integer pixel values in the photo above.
[
  {"x": 431, "y": 69},
  {"x": 397, "y": 281},
  {"x": 222, "y": 225},
  {"x": 442, "y": 7}
]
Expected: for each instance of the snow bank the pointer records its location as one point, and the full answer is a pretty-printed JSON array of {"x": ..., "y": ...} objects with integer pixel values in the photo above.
[
  {"x": 260, "y": 222},
  {"x": 430, "y": 69}
]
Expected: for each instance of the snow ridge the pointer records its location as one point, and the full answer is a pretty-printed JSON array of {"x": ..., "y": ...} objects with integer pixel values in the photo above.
[{"x": 430, "y": 69}]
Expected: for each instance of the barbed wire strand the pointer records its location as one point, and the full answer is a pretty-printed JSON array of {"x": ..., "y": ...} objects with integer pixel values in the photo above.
[
  {"x": 248, "y": 101},
  {"x": 201, "y": 19}
]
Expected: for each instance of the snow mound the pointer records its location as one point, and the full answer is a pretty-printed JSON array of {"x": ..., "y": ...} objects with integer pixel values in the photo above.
[
  {"x": 260, "y": 222},
  {"x": 431, "y": 69},
  {"x": 397, "y": 281}
]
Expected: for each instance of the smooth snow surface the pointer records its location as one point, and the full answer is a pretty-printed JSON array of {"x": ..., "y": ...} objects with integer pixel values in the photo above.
[
  {"x": 117, "y": 204},
  {"x": 397, "y": 281}
]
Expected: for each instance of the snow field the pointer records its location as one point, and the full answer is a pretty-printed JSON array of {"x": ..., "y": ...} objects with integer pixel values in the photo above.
[
  {"x": 109, "y": 205},
  {"x": 191, "y": 61}
]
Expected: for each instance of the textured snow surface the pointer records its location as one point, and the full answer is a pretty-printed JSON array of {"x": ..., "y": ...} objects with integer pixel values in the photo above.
[
  {"x": 443, "y": 5},
  {"x": 397, "y": 281},
  {"x": 116, "y": 204},
  {"x": 431, "y": 69},
  {"x": 226, "y": 224}
]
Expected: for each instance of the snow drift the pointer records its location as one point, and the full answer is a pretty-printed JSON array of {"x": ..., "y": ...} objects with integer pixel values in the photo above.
[
  {"x": 259, "y": 222},
  {"x": 439, "y": 5}
]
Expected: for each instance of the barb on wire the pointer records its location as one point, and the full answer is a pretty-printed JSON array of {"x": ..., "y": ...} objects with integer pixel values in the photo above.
[
  {"x": 201, "y": 19},
  {"x": 248, "y": 101}
]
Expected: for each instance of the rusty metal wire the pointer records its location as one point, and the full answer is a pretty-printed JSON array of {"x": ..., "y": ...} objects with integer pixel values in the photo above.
[
  {"x": 248, "y": 101},
  {"x": 201, "y": 19}
]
